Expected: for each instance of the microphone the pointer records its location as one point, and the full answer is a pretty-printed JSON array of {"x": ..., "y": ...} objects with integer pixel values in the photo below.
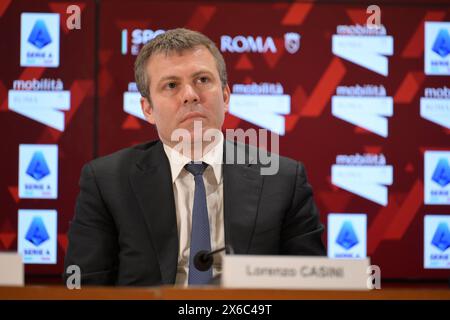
[{"x": 203, "y": 260}]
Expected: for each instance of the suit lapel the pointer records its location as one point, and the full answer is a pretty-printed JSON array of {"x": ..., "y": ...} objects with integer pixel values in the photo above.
[
  {"x": 242, "y": 184},
  {"x": 152, "y": 184}
]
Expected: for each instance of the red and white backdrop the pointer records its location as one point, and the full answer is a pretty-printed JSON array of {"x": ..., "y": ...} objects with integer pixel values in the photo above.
[{"x": 281, "y": 48}]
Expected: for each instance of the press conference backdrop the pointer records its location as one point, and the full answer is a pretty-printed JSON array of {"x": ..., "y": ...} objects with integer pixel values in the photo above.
[{"x": 367, "y": 110}]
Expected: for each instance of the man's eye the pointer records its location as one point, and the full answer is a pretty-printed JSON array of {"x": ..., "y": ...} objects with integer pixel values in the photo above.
[
  {"x": 203, "y": 79},
  {"x": 171, "y": 85}
]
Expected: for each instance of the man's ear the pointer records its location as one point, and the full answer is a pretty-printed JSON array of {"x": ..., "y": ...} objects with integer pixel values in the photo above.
[
  {"x": 147, "y": 110},
  {"x": 226, "y": 97}
]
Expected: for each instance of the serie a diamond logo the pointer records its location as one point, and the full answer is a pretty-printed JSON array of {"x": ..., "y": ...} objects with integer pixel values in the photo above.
[
  {"x": 37, "y": 233},
  {"x": 442, "y": 43},
  {"x": 441, "y": 174},
  {"x": 441, "y": 238},
  {"x": 38, "y": 167},
  {"x": 347, "y": 237},
  {"x": 39, "y": 36}
]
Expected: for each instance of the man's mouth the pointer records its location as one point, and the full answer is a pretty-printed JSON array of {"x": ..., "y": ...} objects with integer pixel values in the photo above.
[{"x": 193, "y": 115}]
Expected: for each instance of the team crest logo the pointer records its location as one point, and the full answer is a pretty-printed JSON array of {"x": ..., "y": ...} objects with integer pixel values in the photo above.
[{"x": 292, "y": 42}]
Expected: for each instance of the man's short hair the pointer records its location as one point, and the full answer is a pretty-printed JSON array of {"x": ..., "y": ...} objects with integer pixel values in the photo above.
[{"x": 175, "y": 40}]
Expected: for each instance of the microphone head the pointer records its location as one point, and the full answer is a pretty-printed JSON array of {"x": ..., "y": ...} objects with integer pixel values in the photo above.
[{"x": 203, "y": 261}]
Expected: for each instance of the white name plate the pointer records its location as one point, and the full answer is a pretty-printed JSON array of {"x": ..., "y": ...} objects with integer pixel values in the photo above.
[
  {"x": 11, "y": 269},
  {"x": 294, "y": 272}
]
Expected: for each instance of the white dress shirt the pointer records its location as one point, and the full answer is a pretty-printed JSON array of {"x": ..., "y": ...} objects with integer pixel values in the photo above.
[{"x": 183, "y": 191}]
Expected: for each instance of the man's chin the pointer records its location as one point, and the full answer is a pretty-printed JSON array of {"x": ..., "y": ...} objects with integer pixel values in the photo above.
[{"x": 195, "y": 135}]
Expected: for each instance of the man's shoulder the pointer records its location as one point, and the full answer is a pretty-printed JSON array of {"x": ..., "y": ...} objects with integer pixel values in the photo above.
[
  {"x": 123, "y": 157},
  {"x": 260, "y": 157}
]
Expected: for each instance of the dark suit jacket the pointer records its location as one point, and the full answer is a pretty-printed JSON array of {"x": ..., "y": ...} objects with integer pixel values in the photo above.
[{"x": 124, "y": 231}]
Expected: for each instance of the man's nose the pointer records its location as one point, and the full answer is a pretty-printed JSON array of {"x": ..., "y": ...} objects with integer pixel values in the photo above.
[{"x": 189, "y": 94}]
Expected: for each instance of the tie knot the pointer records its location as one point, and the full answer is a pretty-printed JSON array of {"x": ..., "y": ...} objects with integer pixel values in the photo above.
[{"x": 196, "y": 168}]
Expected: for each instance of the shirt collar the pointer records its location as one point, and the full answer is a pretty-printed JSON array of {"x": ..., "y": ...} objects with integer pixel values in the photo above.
[{"x": 213, "y": 158}]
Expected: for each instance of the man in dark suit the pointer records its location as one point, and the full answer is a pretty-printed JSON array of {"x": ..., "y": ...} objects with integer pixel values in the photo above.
[{"x": 144, "y": 212}]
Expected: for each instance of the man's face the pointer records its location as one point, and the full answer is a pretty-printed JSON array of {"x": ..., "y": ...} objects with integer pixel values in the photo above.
[{"x": 184, "y": 87}]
